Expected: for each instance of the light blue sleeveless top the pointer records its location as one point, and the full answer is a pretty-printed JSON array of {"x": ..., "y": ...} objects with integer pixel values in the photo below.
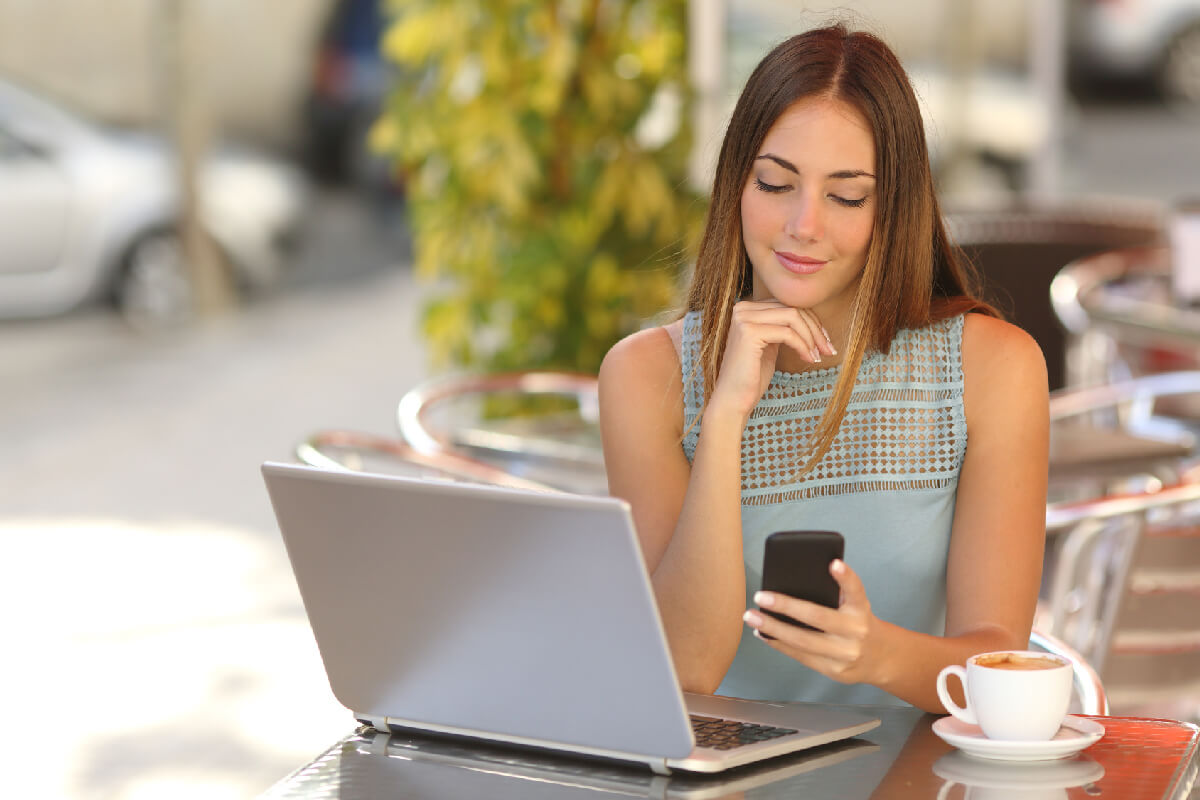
[{"x": 888, "y": 483}]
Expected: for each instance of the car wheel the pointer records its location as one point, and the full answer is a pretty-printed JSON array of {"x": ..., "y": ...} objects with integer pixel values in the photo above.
[
  {"x": 154, "y": 290},
  {"x": 1181, "y": 67}
]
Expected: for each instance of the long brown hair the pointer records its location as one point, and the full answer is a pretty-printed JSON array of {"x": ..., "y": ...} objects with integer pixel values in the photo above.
[{"x": 912, "y": 277}]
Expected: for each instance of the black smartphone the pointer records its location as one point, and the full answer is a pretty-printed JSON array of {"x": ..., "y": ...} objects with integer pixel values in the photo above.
[{"x": 796, "y": 563}]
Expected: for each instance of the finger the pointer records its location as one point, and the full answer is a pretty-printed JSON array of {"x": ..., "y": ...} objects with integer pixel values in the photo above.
[
  {"x": 832, "y": 655},
  {"x": 819, "y": 663},
  {"x": 771, "y": 629},
  {"x": 754, "y": 304},
  {"x": 770, "y": 356},
  {"x": 795, "y": 642},
  {"x": 819, "y": 334},
  {"x": 854, "y": 594},
  {"x": 801, "y": 320},
  {"x": 796, "y": 337},
  {"x": 821, "y": 617}
]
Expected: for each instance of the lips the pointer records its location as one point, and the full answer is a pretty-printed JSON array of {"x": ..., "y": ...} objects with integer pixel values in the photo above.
[{"x": 800, "y": 265}]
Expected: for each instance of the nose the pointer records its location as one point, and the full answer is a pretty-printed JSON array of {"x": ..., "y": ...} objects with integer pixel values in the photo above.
[{"x": 805, "y": 221}]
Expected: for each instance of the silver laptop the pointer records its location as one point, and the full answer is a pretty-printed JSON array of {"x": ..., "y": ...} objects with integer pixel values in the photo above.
[{"x": 512, "y": 616}]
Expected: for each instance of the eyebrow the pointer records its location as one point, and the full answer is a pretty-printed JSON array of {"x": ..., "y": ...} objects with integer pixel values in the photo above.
[{"x": 839, "y": 175}]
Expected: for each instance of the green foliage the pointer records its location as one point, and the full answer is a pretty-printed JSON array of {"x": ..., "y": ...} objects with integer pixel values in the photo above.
[{"x": 551, "y": 215}]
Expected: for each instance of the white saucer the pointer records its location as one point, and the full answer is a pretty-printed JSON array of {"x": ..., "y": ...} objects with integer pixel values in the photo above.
[
  {"x": 1062, "y": 773},
  {"x": 1075, "y": 734}
]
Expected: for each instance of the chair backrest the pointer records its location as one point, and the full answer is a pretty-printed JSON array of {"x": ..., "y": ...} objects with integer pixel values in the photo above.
[
  {"x": 1124, "y": 591},
  {"x": 1121, "y": 319},
  {"x": 1120, "y": 437},
  {"x": 1019, "y": 251},
  {"x": 447, "y": 432},
  {"x": 340, "y": 449},
  {"x": 572, "y": 443},
  {"x": 1123, "y": 566},
  {"x": 541, "y": 426},
  {"x": 1090, "y": 696}
]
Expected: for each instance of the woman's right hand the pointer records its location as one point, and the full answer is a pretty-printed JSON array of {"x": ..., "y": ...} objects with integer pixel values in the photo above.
[{"x": 756, "y": 332}]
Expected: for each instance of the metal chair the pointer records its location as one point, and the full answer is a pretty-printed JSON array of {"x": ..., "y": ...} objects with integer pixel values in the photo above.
[
  {"x": 358, "y": 451},
  {"x": 1019, "y": 250},
  {"x": 1124, "y": 591},
  {"x": 1089, "y": 696},
  {"x": 558, "y": 448},
  {"x": 562, "y": 452},
  {"x": 1120, "y": 317},
  {"x": 1122, "y": 575},
  {"x": 1121, "y": 437}
]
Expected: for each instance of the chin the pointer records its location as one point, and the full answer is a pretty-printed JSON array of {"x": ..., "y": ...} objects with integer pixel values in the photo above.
[{"x": 797, "y": 299}]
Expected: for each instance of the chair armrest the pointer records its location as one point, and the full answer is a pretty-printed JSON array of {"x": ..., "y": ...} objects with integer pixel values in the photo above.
[
  {"x": 314, "y": 452},
  {"x": 1092, "y": 697}
]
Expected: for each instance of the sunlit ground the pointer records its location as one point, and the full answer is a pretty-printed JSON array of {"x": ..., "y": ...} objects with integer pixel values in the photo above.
[
  {"x": 154, "y": 642},
  {"x": 155, "y": 662}
]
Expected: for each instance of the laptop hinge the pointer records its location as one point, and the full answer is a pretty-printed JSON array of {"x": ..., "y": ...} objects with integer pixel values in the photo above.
[
  {"x": 378, "y": 723},
  {"x": 659, "y": 767}
]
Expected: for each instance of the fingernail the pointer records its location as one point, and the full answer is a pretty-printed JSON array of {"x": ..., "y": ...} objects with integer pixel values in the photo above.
[
  {"x": 816, "y": 355},
  {"x": 752, "y": 618},
  {"x": 829, "y": 339},
  {"x": 764, "y": 599},
  {"x": 837, "y": 567}
]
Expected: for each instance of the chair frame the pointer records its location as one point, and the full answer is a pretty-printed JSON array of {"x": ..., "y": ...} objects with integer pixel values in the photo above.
[{"x": 423, "y": 445}]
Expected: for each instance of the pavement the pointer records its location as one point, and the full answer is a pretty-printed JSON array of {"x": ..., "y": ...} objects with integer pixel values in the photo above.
[{"x": 155, "y": 642}]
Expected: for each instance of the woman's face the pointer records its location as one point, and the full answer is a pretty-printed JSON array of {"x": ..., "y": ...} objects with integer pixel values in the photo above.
[{"x": 808, "y": 207}]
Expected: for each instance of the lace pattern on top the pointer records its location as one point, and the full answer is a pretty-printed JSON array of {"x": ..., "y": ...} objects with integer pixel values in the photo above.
[{"x": 904, "y": 426}]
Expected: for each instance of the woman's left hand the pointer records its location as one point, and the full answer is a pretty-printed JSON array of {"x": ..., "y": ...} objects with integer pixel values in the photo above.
[{"x": 841, "y": 647}]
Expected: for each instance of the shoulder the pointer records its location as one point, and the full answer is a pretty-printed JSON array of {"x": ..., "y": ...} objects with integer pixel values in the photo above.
[
  {"x": 647, "y": 353},
  {"x": 641, "y": 366},
  {"x": 991, "y": 346},
  {"x": 640, "y": 384},
  {"x": 1003, "y": 366}
]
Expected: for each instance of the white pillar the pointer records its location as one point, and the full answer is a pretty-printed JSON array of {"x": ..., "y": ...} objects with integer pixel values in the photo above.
[
  {"x": 1047, "y": 59},
  {"x": 189, "y": 127},
  {"x": 706, "y": 70}
]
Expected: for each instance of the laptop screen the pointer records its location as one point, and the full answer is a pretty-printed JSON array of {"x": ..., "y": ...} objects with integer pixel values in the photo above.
[{"x": 482, "y": 610}]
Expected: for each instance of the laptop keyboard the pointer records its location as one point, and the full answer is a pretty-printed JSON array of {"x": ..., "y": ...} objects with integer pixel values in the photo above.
[{"x": 726, "y": 734}]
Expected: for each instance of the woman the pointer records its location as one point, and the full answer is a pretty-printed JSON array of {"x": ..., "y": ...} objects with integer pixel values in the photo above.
[{"x": 833, "y": 370}]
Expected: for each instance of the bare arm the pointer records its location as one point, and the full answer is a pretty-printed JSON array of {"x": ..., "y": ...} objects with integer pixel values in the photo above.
[
  {"x": 996, "y": 542},
  {"x": 689, "y": 516}
]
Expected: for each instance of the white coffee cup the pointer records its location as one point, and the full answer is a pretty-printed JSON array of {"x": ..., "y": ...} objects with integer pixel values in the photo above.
[{"x": 1012, "y": 695}]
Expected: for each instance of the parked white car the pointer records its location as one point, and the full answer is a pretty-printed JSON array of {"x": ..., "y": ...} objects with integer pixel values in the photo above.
[
  {"x": 1156, "y": 39},
  {"x": 90, "y": 213}
]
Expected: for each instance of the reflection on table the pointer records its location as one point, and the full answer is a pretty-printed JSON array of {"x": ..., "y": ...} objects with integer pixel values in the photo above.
[{"x": 903, "y": 758}]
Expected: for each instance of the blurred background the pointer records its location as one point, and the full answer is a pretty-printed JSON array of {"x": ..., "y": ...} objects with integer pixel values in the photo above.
[{"x": 224, "y": 225}]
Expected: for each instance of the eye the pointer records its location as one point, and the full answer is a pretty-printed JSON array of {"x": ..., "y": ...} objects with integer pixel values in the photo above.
[
  {"x": 769, "y": 187},
  {"x": 845, "y": 201}
]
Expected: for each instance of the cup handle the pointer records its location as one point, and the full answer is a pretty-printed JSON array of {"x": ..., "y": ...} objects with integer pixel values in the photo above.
[{"x": 961, "y": 712}]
